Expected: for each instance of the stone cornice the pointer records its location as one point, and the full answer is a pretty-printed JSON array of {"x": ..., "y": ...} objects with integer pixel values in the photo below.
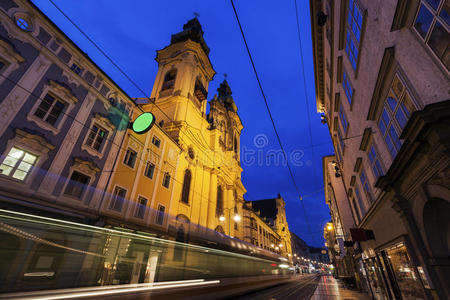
[
  {"x": 318, "y": 54},
  {"x": 387, "y": 65}
]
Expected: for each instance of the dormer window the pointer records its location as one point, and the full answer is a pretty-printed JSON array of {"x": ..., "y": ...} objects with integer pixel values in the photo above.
[
  {"x": 76, "y": 69},
  {"x": 169, "y": 80}
]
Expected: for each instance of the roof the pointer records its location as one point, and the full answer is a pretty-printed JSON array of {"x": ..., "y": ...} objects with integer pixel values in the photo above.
[{"x": 267, "y": 207}]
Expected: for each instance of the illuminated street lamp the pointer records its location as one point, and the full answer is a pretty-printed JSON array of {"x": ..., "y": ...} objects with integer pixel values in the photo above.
[
  {"x": 272, "y": 245},
  {"x": 329, "y": 226},
  {"x": 236, "y": 218}
]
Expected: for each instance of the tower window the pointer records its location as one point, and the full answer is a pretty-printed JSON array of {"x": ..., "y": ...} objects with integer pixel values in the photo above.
[
  {"x": 199, "y": 91},
  {"x": 169, "y": 80}
]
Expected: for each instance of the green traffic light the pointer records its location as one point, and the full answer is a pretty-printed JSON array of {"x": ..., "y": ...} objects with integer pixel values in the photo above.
[{"x": 143, "y": 123}]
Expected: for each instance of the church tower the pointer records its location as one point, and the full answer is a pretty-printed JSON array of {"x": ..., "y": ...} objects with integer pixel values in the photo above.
[{"x": 184, "y": 72}]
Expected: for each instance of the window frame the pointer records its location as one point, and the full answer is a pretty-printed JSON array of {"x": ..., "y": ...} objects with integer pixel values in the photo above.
[
  {"x": 366, "y": 187},
  {"x": 85, "y": 188},
  {"x": 373, "y": 163},
  {"x": 139, "y": 206},
  {"x": 157, "y": 144},
  {"x": 102, "y": 122},
  {"x": 125, "y": 156},
  {"x": 19, "y": 161},
  {"x": 113, "y": 199},
  {"x": 153, "y": 166},
  {"x": 158, "y": 214},
  {"x": 347, "y": 86},
  {"x": 165, "y": 176},
  {"x": 348, "y": 30},
  {"x": 436, "y": 17},
  {"x": 59, "y": 93},
  {"x": 391, "y": 114},
  {"x": 343, "y": 119}
]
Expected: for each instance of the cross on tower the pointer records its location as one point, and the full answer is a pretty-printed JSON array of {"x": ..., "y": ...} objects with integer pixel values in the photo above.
[
  {"x": 196, "y": 14},
  {"x": 225, "y": 75}
]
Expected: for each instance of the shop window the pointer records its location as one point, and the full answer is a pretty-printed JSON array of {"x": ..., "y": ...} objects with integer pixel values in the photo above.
[
  {"x": 77, "y": 185},
  {"x": 18, "y": 164},
  {"x": 405, "y": 274},
  {"x": 433, "y": 26}
]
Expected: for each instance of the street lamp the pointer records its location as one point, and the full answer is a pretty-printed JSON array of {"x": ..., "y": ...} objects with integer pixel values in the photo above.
[
  {"x": 329, "y": 226},
  {"x": 236, "y": 218}
]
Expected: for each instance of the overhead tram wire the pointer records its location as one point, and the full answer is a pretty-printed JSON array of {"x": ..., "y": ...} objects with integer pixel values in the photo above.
[
  {"x": 127, "y": 77},
  {"x": 270, "y": 114}
]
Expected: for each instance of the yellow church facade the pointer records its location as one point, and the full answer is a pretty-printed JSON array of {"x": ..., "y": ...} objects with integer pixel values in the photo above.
[{"x": 197, "y": 173}]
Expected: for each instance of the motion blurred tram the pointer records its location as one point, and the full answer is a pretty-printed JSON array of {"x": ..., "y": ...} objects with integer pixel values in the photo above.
[{"x": 39, "y": 253}]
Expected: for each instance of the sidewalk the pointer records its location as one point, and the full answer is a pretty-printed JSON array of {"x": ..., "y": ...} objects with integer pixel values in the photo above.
[{"x": 330, "y": 289}]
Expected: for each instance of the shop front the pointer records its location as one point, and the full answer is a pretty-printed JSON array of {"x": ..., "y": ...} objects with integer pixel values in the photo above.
[{"x": 391, "y": 274}]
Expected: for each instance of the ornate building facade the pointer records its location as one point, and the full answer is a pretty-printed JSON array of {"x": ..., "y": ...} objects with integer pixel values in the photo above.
[{"x": 382, "y": 85}]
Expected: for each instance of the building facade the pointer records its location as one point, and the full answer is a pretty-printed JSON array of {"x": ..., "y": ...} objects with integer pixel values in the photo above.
[
  {"x": 382, "y": 82},
  {"x": 341, "y": 219},
  {"x": 272, "y": 212}
]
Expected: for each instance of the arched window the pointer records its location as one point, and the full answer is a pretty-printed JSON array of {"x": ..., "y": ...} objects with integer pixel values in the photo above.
[
  {"x": 186, "y": 186},
  {"x": 169, "y": 80},
  {"x": 219, "y": 205}
]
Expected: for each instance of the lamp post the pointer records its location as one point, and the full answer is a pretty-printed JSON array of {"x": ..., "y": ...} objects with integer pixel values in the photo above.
[{"x": 236, "y": 218}]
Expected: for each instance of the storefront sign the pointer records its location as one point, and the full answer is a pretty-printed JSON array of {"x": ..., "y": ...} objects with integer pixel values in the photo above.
[{"x": 143, "y": 123}]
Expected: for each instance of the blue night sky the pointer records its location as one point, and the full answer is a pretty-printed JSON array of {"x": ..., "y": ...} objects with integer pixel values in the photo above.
[{"x": 131, "y": 32}]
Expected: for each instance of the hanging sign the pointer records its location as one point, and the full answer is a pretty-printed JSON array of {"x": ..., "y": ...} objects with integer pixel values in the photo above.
[{"x": 143, "y": 123}]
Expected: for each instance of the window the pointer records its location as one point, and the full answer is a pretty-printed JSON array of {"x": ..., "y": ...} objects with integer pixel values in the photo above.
[
  {"x": 219, "y": 203},
  {"x": 140, "y": 207},
  {"x": 50, "y": 109},
  {"x": 149, "y": 170},
  {"x": 433, "y": 25},
  {"x": 358, "y": 196},
  {"x": 130, "y": 158},
  {"x": 77, "y": 185},
  {"x": 97, "y": 136},
  {"x": 156, "y": 141},
  {"x": 22, "y": 23},
  {"x": 186, "y": 187},
  {"x": 18, "y": 163},
  {"x": 396, "y": 112},
  {"x": 76, "y": 69},
  {"x": 169, "y": 80},
  {"x": 354, "y": 25},
  {"x": 341, "y": 140},
  {"x": 160, "y": 214},
  {"x": 118, "y": 199},
  {"x": 348, "y": 89},
  {"x": 166, "y": 180},
  {"x": 365, "y": 185},
  {"x": 375, "y": 162},
  {"x": 343, "y": 118},
  {"x": 2, "y": 65}
]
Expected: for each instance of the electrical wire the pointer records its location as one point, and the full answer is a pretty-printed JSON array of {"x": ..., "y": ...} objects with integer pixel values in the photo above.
[
  {"x": 270, "y": 114},
  {"x": 128, "y": 78}
]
